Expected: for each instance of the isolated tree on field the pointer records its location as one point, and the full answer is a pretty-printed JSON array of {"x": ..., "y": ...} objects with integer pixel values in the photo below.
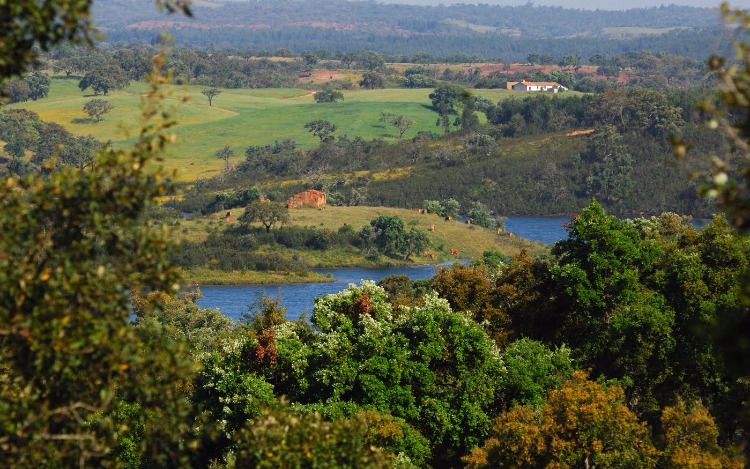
[
  {"x": 328, "y": 95},
  {"x": 103, "y": 78},
  {"x": 400, "y": 121},
  {"x": 446, "y": 99},
  {"x": 224, "y": 154},
  {"x": 266, "y": 213},
  {"x": 322, "y": 129},
  {"x": 210, "y": 93},
  {"x": 96, "y": 108}
]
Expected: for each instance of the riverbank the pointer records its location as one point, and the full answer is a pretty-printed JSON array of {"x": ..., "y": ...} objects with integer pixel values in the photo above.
[{"x": 203, "y": 276}]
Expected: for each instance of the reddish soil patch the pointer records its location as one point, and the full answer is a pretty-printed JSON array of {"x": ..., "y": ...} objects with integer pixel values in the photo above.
[
  {"x": 577, "y": 133},
  {"x": 193, "y": 25},
  {"x": 326, "y": 25},
  {"x": 325, "y": 74},
  {"x": 318, "y": 76}
]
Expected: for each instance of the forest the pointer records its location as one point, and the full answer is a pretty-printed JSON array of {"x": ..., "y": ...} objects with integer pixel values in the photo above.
[
  {"x": 623, "y": 345},
  {"x": 494, "y": 32}
]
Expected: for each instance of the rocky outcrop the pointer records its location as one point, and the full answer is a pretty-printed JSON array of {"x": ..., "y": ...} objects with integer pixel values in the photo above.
[{"x": 309, "y": 198}]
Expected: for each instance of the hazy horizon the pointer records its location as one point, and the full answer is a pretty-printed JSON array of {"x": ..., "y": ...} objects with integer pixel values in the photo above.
[{"x": 582, "y": 4}]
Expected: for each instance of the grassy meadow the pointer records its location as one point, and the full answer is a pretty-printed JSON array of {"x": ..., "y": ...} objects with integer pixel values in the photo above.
[{"x": 238, "y": 118}]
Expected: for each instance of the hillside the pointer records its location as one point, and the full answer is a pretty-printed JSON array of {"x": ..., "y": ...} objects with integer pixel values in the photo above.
[
  {"x": 239, "y": 118},
  {"x": 491, "y": 31}
]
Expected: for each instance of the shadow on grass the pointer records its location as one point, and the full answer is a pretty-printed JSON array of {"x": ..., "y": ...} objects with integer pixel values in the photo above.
[{"x": 84, "y": 120}]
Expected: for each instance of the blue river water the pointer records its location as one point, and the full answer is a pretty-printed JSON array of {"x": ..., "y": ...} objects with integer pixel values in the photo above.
[{"x": 298, "y": 299}]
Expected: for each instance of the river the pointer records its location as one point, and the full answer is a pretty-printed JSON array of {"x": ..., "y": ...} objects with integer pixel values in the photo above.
[{"x": 298, "y": 299}]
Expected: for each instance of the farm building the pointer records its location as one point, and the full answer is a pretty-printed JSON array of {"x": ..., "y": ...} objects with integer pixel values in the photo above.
[{"x": 550, "y": 86}]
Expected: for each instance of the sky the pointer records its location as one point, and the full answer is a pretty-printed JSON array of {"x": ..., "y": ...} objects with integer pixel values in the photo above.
[{"x": 585, "y": 4}]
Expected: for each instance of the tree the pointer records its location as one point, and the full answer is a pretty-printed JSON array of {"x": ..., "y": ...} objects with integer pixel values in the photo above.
[
  {"x": 79, "y": 152},
  {"x": 468, "y": 289},
  {"x": 322, "y": 129},
  {"x": 413, "y": 241},
  {"x": 38, "y": 85},
  {"x": 610, "y": 179},
  {"x": 582, "y": 424},
  {"x": 531, "y": 371},
  {"x": 450, "y": 207},
  {"x": 328, "y": 95},
  {"x": 419, "y": 81},
  {"x": 370, "y": 61},
  {"x": 690, "y": 436},
  {"x": 372, "y": 80},
  {"x": 103, "y": 78},
  {"x": 224, "y": 154},
  {"x": 74, "y": 245},
  {"x": 96, "y": 108},
  {"x": 480, "y": 144},
  {"x": 386, "y": 233},
  {"x": 211, "y": 93},
  {"x": 348, "y": 58},
  {"x": 570, "y": 61},
  {"x": 310, "y": 58},
  {"x": 479, "y": 215},
  {"x": 401, "y": 122},
  {"x": 266, "y": 213},
  {"x": 17, "y": 90},
  {"x": 445, "y": 100},
  {"x": 443, "y": 386},
  {"x": 638, "y": 109},
  {"x": 619, "y": 326},
  {"x": 276, "y": 439}
]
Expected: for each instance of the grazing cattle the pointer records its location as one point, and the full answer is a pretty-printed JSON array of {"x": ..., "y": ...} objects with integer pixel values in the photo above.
[
  {"x": 454, "y": 252},
  {"x": 499, "y": 231},
  {"x": 510, "y": 235},
  {"x": 432, "y": 227},
  {"x": 448, "y": 218},
  {"x": 468, "y": 221}
]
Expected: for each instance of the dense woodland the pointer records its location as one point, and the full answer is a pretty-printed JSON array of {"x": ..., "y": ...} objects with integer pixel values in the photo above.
[
  {"x": 624, "y": 346},
  {"x": 493, "y": 32}
]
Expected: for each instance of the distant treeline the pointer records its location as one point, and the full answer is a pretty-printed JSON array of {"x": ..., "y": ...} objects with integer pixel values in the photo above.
[
  {"x": 368, "y": 18},
  {"x": 694, "y": 43}
]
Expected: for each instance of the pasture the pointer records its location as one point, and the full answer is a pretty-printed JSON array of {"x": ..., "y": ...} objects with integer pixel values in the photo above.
[{"x": 238, "y": 118}]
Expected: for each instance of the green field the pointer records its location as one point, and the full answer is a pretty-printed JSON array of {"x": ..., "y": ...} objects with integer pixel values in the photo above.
[
  {"x": 634, "y": 31},
  {"x": 238, "y": 118}
]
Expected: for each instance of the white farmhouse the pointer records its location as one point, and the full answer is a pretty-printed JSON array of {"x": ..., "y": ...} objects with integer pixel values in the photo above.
[{"x": 550, "y": 86}]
